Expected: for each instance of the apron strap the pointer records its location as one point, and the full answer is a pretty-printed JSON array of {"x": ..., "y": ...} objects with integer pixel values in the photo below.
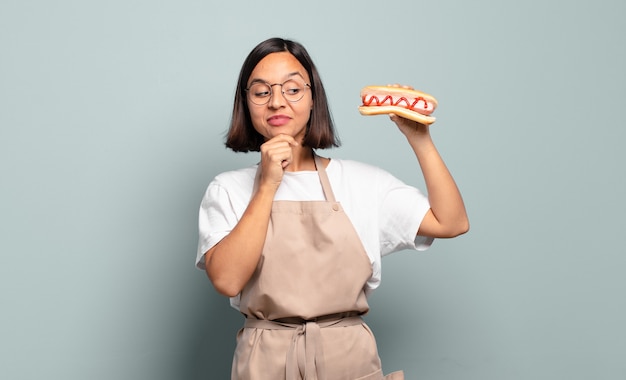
[
  {"x": 321, "y": 171},
  {"x": 306, "y": 356}
]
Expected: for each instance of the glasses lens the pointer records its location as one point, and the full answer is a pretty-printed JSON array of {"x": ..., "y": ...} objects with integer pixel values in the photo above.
[
  {"x": 293, "y": 90},
  {"x": 260, "y": 93}
]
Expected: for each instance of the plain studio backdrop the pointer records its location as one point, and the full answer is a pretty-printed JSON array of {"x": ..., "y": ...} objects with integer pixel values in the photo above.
[{"x": 112, "y": 117}]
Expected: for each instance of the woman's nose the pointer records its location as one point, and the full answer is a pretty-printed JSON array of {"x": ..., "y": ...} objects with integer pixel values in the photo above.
[{"x": 277, "y": 99}]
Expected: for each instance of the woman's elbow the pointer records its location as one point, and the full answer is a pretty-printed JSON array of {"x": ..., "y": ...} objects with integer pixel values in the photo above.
[
  {"x": 459, "y": 228},
  {"x": 222, "y": 283},
  {"x": 464, "y": 228},
  {"x": 452, "y": 230},
  {"x": 449, "y": 228},
  {"x": 226, "y": 288}
]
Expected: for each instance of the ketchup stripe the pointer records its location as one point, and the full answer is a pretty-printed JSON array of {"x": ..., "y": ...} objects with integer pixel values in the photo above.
[{"x": 402, "y": 99}]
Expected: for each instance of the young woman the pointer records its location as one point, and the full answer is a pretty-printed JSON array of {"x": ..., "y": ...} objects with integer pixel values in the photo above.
[{"x": 296, "y": 241}]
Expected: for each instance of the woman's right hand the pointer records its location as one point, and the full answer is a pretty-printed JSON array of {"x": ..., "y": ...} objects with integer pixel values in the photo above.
[{"x": 276, "y": 155}]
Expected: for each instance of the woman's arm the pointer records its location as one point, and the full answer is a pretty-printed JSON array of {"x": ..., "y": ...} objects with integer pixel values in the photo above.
[
  {"x": 231, "y": 262},
  {"x": 447, "y": 216}
]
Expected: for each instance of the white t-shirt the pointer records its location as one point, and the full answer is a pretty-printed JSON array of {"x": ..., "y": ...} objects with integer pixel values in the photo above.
[{"x": 385, "y": 212}]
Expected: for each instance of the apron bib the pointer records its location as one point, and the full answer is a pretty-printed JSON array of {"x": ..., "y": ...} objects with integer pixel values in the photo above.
[{"x": 304, "y": 301}]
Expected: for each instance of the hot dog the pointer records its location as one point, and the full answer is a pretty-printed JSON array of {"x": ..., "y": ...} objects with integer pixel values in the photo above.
[{"x": 405, "y": 102}]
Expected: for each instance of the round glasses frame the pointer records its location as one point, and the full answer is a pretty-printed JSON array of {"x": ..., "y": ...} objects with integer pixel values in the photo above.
[{"x": 271, "y": 87}]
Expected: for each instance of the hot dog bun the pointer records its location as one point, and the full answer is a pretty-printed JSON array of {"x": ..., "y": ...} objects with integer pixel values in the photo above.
[{"x": 408, "y": 103}]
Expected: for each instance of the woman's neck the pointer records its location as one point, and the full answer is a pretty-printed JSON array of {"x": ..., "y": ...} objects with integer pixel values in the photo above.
[{"x": 302, "y": 159}]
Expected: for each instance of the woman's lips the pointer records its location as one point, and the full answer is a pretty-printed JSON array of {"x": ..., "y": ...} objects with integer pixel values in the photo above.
[{"x": 278, "y": 120}]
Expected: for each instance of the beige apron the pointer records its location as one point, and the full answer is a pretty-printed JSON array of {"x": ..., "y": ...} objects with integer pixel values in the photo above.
[{"x": 304, "y": 301}]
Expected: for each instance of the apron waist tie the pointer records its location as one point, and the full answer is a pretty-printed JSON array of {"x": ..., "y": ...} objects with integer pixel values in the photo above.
[{"x": 305, "y": 359}]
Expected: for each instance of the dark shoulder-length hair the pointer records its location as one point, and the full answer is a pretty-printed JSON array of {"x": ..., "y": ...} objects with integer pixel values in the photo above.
[{"x": 242, "y": 137}]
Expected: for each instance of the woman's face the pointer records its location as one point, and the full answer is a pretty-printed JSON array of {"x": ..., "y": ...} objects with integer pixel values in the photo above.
[{"x": 279, "y": 115}]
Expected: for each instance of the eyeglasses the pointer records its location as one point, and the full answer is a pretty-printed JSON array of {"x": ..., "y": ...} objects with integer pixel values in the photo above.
[{"x": 261, "y": 92}]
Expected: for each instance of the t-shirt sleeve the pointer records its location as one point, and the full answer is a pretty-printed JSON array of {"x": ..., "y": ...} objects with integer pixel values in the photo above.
[
  {"x": 216, "y": 219},
  {"x": 402, "y": 210}
]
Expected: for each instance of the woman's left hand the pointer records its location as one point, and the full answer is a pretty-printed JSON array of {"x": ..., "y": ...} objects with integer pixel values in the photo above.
[{"x": 408, "y": 127}]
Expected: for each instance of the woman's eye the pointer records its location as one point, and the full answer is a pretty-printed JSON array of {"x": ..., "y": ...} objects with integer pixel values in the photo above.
[{"x": 262, "y": 94}]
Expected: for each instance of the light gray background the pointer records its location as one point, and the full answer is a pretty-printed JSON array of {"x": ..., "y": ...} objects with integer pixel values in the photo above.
[{"x": 112, "y": 115}]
